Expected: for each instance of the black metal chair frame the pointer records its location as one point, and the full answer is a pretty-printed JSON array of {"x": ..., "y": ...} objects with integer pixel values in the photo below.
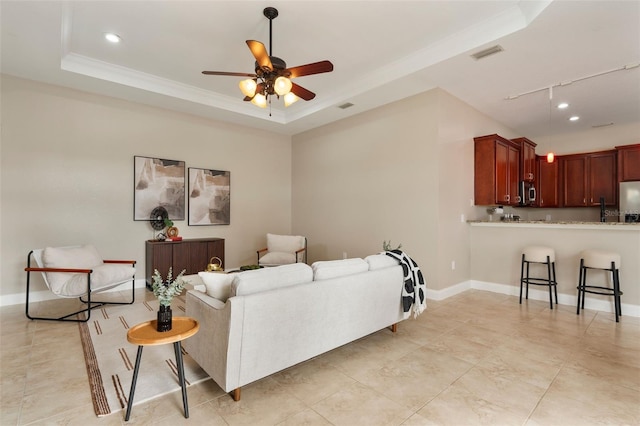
[
  {"x": 90, "y": 304},
  {"x": 583, "y": 288},
  {"x": 550, "y": 281}
]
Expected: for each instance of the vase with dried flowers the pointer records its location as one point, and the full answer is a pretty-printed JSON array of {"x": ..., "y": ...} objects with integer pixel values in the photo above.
[{"x": 165, "y": 290}]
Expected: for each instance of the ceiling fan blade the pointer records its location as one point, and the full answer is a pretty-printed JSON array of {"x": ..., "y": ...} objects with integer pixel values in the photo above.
[
  {"x": 309, "y": 69},
  {"x": 260, "y": 53},
  {"x": 233, "y": 74},
  {"x": 301, "y": 92}
]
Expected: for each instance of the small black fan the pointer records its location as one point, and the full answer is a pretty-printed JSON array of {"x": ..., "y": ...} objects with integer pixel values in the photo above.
[{"x": 158, "y": 216}]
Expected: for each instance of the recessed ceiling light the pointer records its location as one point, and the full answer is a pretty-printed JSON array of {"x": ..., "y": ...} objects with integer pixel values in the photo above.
[
  {"x": 574, "y": 118},
  {"x": 563, "y": 105},
  {"x": 113, "y": 38}
]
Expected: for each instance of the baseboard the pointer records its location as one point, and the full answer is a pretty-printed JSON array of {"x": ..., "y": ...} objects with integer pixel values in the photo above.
[
  {"x": 448, "y": 292},
  {"x": 41, "y": 296},
  {"x": 563, "y": 299}
]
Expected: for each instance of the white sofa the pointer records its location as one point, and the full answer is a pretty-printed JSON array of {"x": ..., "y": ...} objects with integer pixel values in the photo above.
[{"x": 278, "y": 317}]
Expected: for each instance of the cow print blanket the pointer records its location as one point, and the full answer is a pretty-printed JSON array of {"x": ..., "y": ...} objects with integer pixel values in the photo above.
[{"x": 413, "y": 291}]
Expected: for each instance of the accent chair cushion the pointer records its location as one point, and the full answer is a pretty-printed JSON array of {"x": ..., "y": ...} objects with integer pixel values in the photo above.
[
  {"x": 218, "y": 284},
  {"x": 80, "y": 257},
  {"x": 265, "y": 279},
  {"x": 104, "y": 276},
  {"x": 284, "y": 243},
  {"x": 278, "y": 258},
  {"x": 327, "y": 269}
]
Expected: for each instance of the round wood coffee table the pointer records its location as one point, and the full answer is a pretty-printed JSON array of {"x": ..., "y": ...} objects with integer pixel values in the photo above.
[{"x": 146, "y": 334}]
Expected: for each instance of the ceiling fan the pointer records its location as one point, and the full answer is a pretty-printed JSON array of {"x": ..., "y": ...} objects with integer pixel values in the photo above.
[{"x": 272, "y": 77}]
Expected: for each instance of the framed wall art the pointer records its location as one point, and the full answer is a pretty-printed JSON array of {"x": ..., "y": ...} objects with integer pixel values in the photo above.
[
  {"x": 158, "y": 183},
  {"x": 209, "y": 197}
]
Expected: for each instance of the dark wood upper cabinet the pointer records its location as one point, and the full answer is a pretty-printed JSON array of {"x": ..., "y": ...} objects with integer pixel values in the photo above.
[
  {"x": 628, "y": 162},
  {"x": 547, "y": 183},
  {"x": 527, "y": 159},
  {"x": 587, "y": 177},
  {"x": 496, "y": 171},
  {"x": 574, "y": 180}
]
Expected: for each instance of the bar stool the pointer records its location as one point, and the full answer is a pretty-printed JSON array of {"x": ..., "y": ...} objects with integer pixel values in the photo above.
[
  {"x": 545, "y": 256},
  {"x": 604, "y": 260}
]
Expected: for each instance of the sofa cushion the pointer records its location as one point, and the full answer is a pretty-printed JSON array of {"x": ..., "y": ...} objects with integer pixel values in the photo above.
[
  {"x": 77, "y": 257},
  {"x": 217, "y": 284},
  {"x": 264, "y": 279},
  {"x": 379, "y": 261},
  {"x": 327, "y": 269}
]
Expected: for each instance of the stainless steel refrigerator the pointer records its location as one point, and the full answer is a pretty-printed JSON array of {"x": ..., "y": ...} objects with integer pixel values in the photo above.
[{"x": 630, "y": 201}]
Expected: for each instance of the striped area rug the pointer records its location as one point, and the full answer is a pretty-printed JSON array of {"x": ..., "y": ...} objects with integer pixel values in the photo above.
[{"x": 110, "y": 358}]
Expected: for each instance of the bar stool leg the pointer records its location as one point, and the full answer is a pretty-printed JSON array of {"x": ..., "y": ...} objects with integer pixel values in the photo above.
[
  {"x": 528, "y": 263},
  {"x": 521, "y": 277},
  {"x": 580, "y": 293},
  {"x": 178, "y": 349},
  {"x": 133, "y": 383},
  {"x": 549, "y": 277},
  {"x": 555, "y": 283},
  {"x": 616, "y": 291}
]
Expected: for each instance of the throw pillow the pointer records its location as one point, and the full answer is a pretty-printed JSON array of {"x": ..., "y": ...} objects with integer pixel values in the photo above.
[
  {"x": 327, "y": 269},
  {"x": 218, "y": 284}
]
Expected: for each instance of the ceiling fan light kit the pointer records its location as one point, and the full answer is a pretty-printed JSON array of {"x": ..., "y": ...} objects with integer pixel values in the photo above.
[{"x": 272, "y": 77}]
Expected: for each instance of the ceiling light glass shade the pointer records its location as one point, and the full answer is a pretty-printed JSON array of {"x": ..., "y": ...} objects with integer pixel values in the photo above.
[
  {"x": 259, "y": 100},
  {"x": 113, "y": 38},
  {"x": 550, "y": 157},
  {"x": 282, "y": 85},
  {"x": 248, "y": 87},
  {"x": 290, "y": 98}
]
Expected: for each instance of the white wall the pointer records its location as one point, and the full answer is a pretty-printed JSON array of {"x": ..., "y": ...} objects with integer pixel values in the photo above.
[
  {"x": 458, "y": 124},
  {"x": 67, "y": 175},
  {"x": 402, "y": 172}
]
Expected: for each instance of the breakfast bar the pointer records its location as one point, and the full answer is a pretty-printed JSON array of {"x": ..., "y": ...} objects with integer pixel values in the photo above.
[{"x": 496, "y": 250}]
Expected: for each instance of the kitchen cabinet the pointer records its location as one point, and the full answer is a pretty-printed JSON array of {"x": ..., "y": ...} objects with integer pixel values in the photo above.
[
  {"x": 628, "y": 162},
  {"x": 587, "y": 177},
  {"x": 527, "y": 159},
  {"x": 547, "y": 183},
  {"x": 193, "y": 255},
  {"x": 497, "y": 171}
]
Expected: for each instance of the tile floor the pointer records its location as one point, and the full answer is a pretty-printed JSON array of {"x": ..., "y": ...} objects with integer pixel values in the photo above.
[{"x": 475, "y": 358}]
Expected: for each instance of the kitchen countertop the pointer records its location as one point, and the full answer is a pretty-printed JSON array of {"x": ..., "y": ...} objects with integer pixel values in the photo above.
[{"x": 622, "y": 226}]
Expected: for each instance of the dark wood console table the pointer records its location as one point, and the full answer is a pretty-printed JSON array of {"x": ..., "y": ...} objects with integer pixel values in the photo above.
[{"x": 191, "y": 254}]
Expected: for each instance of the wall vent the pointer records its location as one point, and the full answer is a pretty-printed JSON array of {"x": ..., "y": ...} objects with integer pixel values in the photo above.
[
  {"x": 487, "y": 52},
  {"x": 345, "y": 106}
]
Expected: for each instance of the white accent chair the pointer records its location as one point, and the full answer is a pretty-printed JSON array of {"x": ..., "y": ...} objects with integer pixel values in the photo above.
[
  {"x": 78, "y": 271},
  {"x": 283, "y": 250}
]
